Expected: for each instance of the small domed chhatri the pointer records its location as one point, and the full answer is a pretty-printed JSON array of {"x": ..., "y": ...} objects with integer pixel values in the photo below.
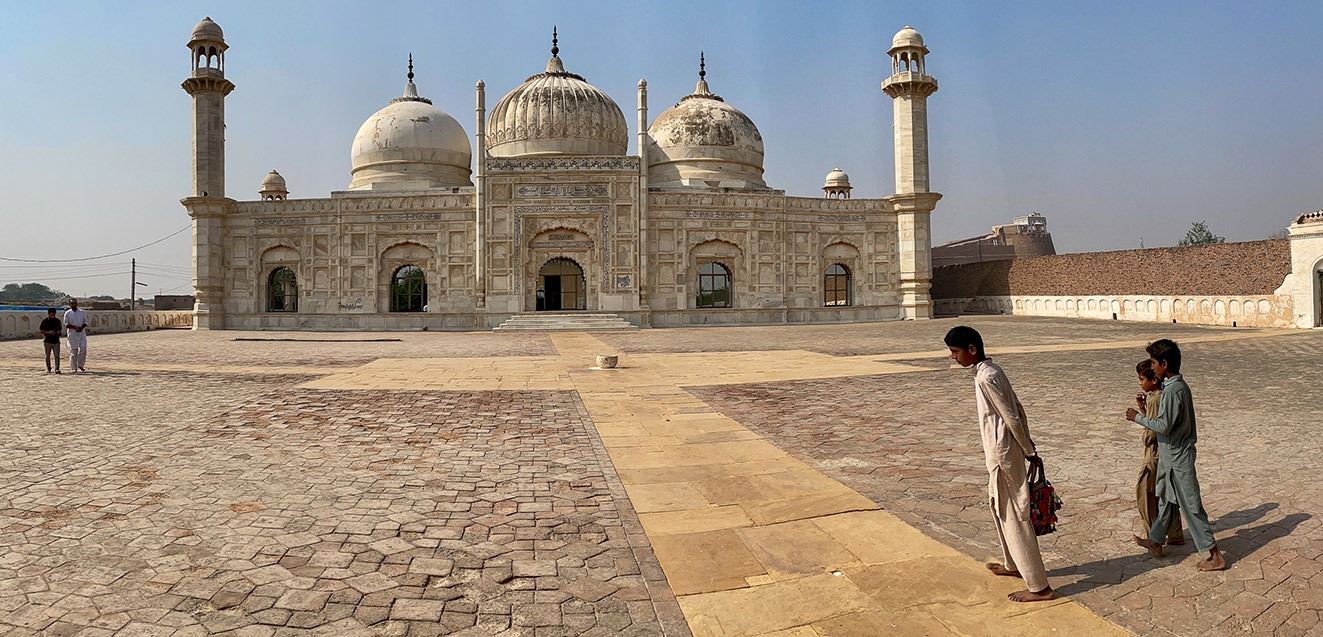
[
  {"x": 703, "y": 142},
  {"x": 409, "y": 145},
  {"x": 273, "y": 187},
  {"x": 208, "y": 30},
  {"x": 556, "y": 113},
  {"x": 908, "y": 37},
  {"x": 837, "y": 185}
]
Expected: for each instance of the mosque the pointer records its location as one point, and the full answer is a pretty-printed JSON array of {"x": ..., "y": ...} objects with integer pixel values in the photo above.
[{"x": 543, "y": 211}]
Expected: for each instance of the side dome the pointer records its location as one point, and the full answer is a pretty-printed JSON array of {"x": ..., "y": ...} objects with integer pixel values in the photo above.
[
  {"x": 556, "y": 113},
  {"x": 410, "y": 145},
  {"x": 703, "y": 142}
]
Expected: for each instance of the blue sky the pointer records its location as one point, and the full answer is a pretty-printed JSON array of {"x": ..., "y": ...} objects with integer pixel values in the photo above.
[{"x": 1116, "y": 120}]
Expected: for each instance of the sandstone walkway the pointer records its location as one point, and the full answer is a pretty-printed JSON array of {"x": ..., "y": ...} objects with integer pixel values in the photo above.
[{"x": 722, "y": 482}]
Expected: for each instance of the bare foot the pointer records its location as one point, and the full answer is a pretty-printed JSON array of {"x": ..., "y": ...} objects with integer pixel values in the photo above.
[
  {"x": 998, "y": 569},
  {"x": 1154, "y": 548},
  {"x": 1030, "y": 596},
  {"x": 1176, "y": 541},
  {"x": 1215, "y": 561}
]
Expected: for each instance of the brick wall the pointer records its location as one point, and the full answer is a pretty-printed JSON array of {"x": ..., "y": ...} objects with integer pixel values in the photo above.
[{"x": 1248, "y": 268}]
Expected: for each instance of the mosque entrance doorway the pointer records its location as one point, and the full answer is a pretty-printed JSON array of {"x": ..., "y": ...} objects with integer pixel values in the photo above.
[{"x": 561, "y": 286}]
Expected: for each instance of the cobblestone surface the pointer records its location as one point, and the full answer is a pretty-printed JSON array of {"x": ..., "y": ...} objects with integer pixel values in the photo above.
[
  {"x": 241, "y": 505},
  {"x": 910, "y": 443},
  {"x": 893, "y": 337},
  {"x": 285, "y": 349}
]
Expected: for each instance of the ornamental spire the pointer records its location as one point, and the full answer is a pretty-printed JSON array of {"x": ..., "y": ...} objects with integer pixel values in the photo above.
[
  {"x": 554, "y": 65},
  {"x": 410, "y": 90},
  {"x": 701, "y": 90}
]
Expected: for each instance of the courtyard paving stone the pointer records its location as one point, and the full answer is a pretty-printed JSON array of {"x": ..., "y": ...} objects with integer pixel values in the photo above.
[{"x": 803, "y": 480}]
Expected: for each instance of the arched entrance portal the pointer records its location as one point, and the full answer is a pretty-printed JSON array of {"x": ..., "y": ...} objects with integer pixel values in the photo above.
[{"x": 561, "y": 286}]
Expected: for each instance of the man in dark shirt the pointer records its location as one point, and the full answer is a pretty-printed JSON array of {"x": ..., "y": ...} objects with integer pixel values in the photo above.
[{"x": 50, "y": 331}]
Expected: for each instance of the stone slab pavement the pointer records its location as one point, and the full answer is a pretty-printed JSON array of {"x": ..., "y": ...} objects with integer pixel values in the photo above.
[{"x": 807, "y": 480}]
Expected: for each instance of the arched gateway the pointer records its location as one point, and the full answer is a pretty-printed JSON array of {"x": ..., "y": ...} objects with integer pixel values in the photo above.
[{"x": 561, "y": 286}]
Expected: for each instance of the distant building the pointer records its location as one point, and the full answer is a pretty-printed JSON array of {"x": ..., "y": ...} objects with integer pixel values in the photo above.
[{"x": 1025, "y": 236}]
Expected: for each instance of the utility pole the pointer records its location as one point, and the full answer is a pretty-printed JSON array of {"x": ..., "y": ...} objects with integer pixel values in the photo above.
[{"x": 133, "y": 282}]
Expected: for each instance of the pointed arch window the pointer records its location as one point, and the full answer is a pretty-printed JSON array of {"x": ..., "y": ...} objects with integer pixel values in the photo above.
[
  {"x": 408, "y": 289},
  {"x": 836, "y": 286},
  {"x": 282, "y": 291},
  {"x": 713, "y": 286}
]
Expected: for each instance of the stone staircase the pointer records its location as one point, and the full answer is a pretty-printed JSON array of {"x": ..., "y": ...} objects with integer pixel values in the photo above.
[{"x": 564, "y": 322}]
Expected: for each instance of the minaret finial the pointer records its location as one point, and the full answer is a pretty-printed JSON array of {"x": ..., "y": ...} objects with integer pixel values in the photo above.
[
  {"x": 411, "y": 67},
  {"x": 702, "y": 66},
  {"x": 555, "y": 48}
]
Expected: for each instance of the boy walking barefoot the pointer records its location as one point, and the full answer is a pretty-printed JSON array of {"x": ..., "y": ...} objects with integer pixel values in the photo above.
[
  {"x": 1150, "y": 394},
  {"x": 1007, "y": 449},
  {"x": 1177, "y": 484}
]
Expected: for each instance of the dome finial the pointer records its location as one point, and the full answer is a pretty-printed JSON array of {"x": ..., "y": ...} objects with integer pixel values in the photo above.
[
  {"x": 701, "y": 89},
  {"x": 554, "y": 65},
  {"x": 410, "y": 89}
]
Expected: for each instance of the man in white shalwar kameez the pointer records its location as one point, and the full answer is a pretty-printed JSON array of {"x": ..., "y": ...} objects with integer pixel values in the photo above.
[
  {"x": 1006, "y": 450},
  {"x": 75, "y": 322}
]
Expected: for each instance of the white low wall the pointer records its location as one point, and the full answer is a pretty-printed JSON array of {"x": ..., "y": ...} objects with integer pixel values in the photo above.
[
  {"x": 1273, "y": 310},
  {"x": 25, "y": 323}
]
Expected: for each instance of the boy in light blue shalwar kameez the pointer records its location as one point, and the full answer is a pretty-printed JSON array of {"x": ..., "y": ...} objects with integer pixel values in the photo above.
[{"x": 1177, "y": 483}]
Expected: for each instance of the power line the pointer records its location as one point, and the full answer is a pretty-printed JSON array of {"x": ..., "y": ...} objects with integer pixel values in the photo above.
[
  {"x": 104, "y": 256},
  {"x": 83, "y": 276}
]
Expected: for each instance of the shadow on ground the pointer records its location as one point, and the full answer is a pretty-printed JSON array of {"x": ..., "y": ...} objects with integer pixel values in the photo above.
[{"x": 1236, "y": 547}]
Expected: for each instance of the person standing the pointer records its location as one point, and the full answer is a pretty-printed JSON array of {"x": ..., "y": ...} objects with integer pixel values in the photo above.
[
  {"x": 75, "y": 321},
  {"x": 1008, "y": 450},
  {"x": 50, "y": 331}
]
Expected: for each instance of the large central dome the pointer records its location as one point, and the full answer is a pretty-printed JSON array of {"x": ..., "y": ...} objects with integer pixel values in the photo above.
[{"x": 556, "y": 113}]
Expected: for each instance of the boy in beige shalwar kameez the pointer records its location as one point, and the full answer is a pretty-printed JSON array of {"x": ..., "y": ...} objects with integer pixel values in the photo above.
[{"x": 1006, "y": 450}]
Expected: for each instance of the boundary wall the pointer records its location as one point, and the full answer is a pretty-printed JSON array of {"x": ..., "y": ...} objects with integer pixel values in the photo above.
[
  {"x": 1242, "y": 284},
  {"x": 25, "y": 323}
]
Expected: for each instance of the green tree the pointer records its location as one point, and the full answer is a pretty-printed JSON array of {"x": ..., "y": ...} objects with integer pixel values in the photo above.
[
  {"x": 1200, "y": 235},
  {"x": 29, "y": 293}
]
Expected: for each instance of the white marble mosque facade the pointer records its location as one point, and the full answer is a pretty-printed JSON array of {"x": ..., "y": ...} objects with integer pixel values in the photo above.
[{"x": 542, "y": 209}]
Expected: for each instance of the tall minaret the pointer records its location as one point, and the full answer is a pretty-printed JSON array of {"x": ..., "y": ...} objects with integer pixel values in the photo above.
[
  {"x": 909, "y": 87},
  {"x": 207, "y": 203},
  {"x": 208, "y": 87}
]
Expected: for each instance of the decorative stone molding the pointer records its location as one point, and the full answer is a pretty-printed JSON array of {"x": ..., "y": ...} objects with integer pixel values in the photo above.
[
  {"x": 537, "y": 191},
  {"x": 563, "y": 163},
  {"x": 280, "y": 221},
  {"x": 584, "y": 209},
  {"x": 415, "y": 216},
  {"x": 1310, "y": 217},
  {"x": 717, "y": 214},
  {"x": 842, "y": 218}
]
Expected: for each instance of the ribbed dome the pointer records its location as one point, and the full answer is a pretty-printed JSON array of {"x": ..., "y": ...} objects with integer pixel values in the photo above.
[
  {"x": 410, "y": 145},
  {"x": 208, "y": 30},
  {"x": 703, "y": 142},
  {"x": 556, "y": 113},
  {"x": 907, "y": 37},
  {"x": 837, "y": 179}
]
